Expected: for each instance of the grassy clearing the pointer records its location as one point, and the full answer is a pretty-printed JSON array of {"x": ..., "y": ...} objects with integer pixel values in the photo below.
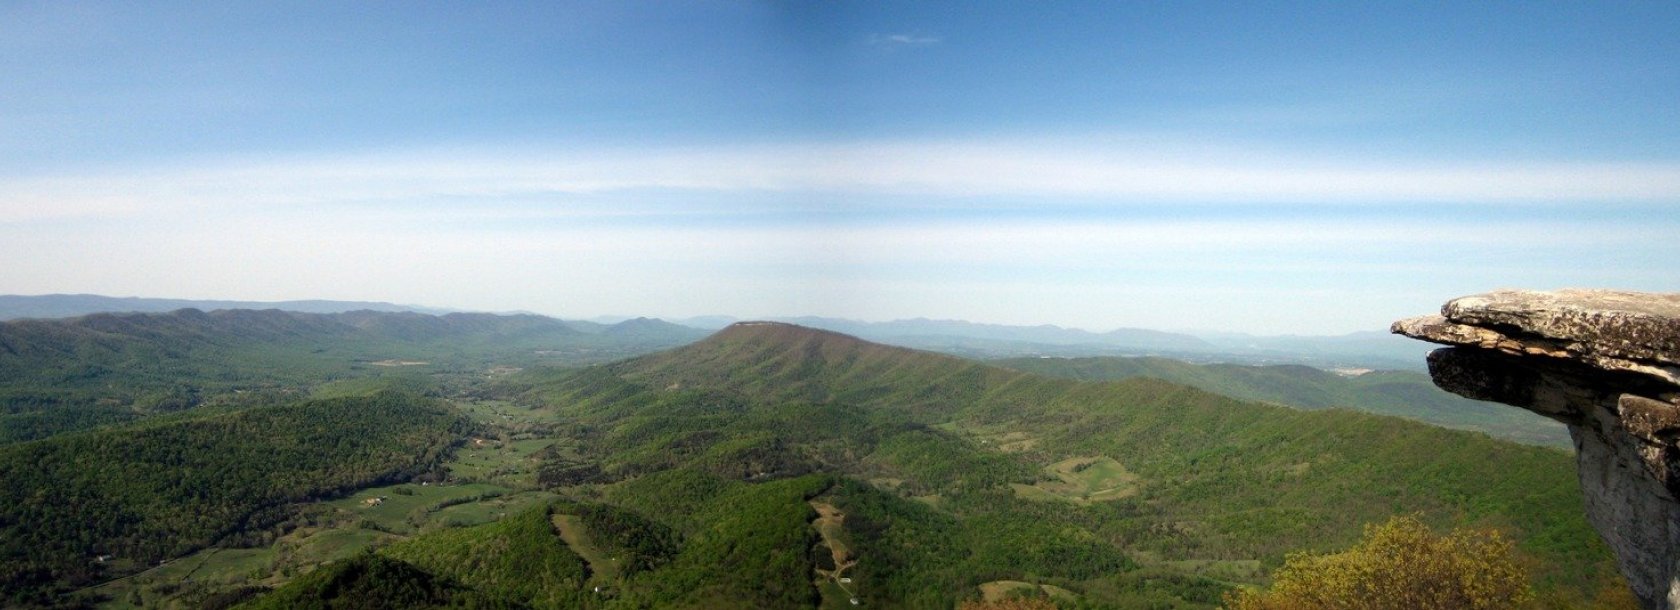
[
  {"x": 496, "y": 412},
  {"x": 482, "y": 459},
  {"x": 887, "y": 483},
  {"x": 215, "y": 567},
  {"x": 1082, "y": 480},
  {"x": 1014, "y": 441},
  {"x": 234, "y": 565},
  {"x": 1037, "y": 493},
  {"x": 833, "y": 596},
  {"x": 1058, "y": 593},
  {"x": 330, "y": 544},
  {"x": 485, "y": 511},
  {"x": 837, "y": 587},
  {"x": 492, "y": 460},
  {"x": 603, "y": 570},
  {"x": 830, "y": 524},
  {"x": 403, "y": 509},
  {"x": 486, "y": 468},
  {"x": 1005, "y": 589},
  {"x": 1002, "y": 437},
  {"x": 218, "y": 568}
]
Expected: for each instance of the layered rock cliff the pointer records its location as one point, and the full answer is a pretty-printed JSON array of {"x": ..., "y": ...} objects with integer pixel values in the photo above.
[{"x": 1607, "y": 363}]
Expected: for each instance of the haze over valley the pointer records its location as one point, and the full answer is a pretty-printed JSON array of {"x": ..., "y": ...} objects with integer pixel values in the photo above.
[{"x": 637, "y": 305}]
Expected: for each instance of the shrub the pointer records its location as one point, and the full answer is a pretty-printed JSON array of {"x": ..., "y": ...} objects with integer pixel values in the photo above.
[{"x": 1399, "y": 565}]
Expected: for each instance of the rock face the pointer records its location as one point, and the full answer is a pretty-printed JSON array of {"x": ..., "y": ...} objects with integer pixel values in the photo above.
[{"x": 1606, "y": 363}]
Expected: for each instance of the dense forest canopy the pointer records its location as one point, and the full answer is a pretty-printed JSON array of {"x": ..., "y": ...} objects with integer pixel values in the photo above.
[{"x": 769, "y": 465}]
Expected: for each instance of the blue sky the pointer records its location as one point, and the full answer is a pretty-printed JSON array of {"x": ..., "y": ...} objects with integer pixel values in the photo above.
[{"x": 1311, "y": 168}]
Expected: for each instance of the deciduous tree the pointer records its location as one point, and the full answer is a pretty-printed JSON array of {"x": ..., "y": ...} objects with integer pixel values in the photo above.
[{"x": 1400, "y": 565}]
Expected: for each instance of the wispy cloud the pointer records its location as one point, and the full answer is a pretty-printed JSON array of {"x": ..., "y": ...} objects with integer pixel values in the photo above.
[
  {"x": 1105, "y": 176},
  {"x": 1097, "y": 274},
  {"x": 902, "y": 40},
  {"x": 746, "y": 230}
]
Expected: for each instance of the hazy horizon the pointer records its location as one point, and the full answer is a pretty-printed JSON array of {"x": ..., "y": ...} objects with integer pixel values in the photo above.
[
  {"x": 715, "y": 319},
  {"x": 1310, "y": 169}
]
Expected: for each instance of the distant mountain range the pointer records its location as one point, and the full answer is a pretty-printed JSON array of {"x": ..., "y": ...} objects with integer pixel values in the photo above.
[
  {"x": 1377, "y": 349},
  {"x": 923, "y": 329},
  {"x": 13, "y": 307},
  {"x": 1372, "y": 349}
]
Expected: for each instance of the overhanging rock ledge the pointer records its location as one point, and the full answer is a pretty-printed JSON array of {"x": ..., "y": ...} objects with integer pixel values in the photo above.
[{"x": 1607, "y": 363}]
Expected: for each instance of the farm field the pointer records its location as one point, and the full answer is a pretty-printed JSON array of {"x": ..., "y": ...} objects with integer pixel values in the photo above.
[{"x": 1082, "y": 480}]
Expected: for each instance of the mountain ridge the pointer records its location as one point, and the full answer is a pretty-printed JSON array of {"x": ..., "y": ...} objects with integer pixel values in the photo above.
[
  {"x": 935, "y": 425},
  {"x": 798, "y": 362},
  {"x": 720, "y": 458},
  {"x": 13, "y": 306},
  {"x": 1368, "y": 349},
  {"x": 71, "y": 373},
  {"x": 1045, "y": 334},
  {"x": 980, "y": 340}
]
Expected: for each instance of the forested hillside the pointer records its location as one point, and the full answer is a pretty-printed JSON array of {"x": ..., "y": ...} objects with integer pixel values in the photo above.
[
  {"x": 1399, "y": 393},
  {"x": 1090, "y": 487},
  {"x": 768, "y": 465},
  {"x": 61, "y": 375},
  {"x": 81, "y": 506}
]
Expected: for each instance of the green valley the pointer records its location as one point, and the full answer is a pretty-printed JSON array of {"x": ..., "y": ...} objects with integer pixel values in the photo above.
[
  {"x": 839, "y": 305},
  {"x": 768, "y": 465},
  {"x": 77, "y": 373}
]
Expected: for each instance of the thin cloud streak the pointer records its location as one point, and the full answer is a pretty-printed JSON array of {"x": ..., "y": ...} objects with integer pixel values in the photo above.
[
  {"x": 1092, "y": 273},
  {"x": 308, "y": 234},
  {"x": 1111, "y": 176},
  {"x": 894, "y": 40}
]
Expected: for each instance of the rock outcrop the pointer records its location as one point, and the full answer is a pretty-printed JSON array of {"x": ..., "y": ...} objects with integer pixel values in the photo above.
[{"x": 1607, "y": 363}]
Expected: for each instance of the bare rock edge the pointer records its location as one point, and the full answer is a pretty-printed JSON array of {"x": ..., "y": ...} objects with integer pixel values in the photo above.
[{"x": 1607, "y": 364}]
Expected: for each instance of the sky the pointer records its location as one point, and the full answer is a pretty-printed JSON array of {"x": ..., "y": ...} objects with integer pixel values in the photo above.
[{"x": 1271, "y": 168}]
